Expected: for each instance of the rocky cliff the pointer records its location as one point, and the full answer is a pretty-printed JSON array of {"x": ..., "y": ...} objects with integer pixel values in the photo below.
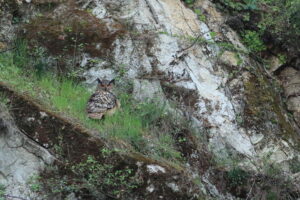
[{"x": 169, "y": 52}]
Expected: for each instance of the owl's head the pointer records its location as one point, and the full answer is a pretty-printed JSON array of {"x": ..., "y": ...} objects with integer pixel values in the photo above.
[{"x": 105, "y": 85}]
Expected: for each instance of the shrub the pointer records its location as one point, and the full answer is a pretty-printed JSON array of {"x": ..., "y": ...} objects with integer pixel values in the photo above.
[
  {"x": 240, "y": 5},
  {"x": 92, "y": 179},
  {"x": 272, "y": 196},
  {"x": 96, "y": 176},
  {"x": 253, "y": 41},
  {"x": 237, "y": 177},
  {"x": 189, "y": 2}
]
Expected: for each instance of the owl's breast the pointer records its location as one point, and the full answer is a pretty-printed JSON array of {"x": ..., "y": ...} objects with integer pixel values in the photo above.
[{"x": 101, "y": 102}]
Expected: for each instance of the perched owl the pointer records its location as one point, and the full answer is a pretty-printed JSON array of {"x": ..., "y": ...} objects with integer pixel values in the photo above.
[{"x": 103, "y": 101}]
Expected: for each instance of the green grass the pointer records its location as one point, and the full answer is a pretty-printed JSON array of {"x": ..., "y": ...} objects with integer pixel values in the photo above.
[
  {"x": 136, "y": 123},
  {"x": 253, "y": 41},
  {"x": 125, "y": 124},
  {"x": 2, "y": 192}
]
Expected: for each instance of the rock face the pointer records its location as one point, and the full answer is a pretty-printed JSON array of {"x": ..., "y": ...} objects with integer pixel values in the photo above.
[
  {"x": 21, "y": 159},
  {"x": 157, "y": 52},
  {"x": 291, "y": 84},
  {"x": 163, "y": 44}
]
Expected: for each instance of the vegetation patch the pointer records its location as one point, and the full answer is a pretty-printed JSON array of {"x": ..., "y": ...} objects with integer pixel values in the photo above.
[
  {"x": 76, "y": 147},
  {"x": 136, "y": 123},
  {"x": 263, "y": 104},
  {"x": 92, "y": 178},
  {"x": 71, "y": 33},
  {"x": 253, "y": 41},
  {"x": 2, "y": 192},
  {"x": 189, "y": 2},
  {"x": 250, "y": 185},
  {"x": 274, "y": 22},
  {"x": 83, "y": 165}
]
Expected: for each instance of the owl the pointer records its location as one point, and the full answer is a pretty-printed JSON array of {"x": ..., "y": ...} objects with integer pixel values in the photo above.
[{"x": 103, "y": 101}]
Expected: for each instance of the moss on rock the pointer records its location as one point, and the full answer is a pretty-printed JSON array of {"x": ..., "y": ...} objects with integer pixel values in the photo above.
[
  {"x": 73, "y": 31},
  {"x": 264, "y": 105}
]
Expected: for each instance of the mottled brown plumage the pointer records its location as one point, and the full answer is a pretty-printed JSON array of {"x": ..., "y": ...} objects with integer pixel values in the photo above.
[{"x": 103, "y": 101}]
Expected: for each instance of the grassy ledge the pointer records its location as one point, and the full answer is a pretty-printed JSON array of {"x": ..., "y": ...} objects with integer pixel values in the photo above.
[{"x": 140, "y": 125}]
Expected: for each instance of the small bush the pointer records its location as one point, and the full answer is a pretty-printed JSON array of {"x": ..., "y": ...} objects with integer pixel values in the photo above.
[
  {"x": 96, "y": 176},
  {"x": 294, "y": 165},
  {"x": 277, "y": 21},
  {"x": 91, "y": 179},
  {"x": 253, "y": 41},
  {"x": 189, "y": 2},
  {"x": 240, "y": 5},
  {"x": 34, "y": 183},
  {"x": 272, "y": 196},
  {"x": 237, "y": 177}
]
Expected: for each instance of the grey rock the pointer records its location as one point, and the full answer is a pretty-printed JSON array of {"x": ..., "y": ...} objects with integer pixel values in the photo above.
[{"x": 20, "y": 158}]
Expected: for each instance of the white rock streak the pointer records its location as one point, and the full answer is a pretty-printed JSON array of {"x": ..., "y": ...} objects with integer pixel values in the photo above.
[{"x": 174, "y": 19}]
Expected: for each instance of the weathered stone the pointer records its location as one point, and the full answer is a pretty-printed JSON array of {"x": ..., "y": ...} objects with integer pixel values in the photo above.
[
  {"x": 144, "y": 90},
  {"x": 20, "y": 158},
  {"x": 229, "y": 58},
  {"x": 71, "y": 196},
  {"x": 173, "y": 186},
  {"x": 150, "y": 188},
  {"x": 290, "y": 78},
  {"x": 274, "y": 63},
  {"x": 256, "y": 138},
  {"x": 3, "y": 46},
  {"x": 294, "y": 104},
  {"x": 154, "y": 169}
]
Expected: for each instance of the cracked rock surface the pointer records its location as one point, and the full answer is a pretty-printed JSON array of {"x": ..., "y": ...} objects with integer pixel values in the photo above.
[{"x": 20, "y": 157}]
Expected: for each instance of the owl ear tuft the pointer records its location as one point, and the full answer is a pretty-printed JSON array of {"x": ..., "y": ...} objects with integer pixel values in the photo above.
[
  {"x": 112, "y": 82},
  {"x": 99, "y": 81}
]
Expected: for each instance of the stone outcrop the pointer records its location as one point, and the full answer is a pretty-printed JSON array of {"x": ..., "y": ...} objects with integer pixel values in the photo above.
[
  {"x": 290, "y": 78},
  {"x": 164, "y": 49},
  {"x": 21, "y": 158},
  {"x": 157, "y": 49}
]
